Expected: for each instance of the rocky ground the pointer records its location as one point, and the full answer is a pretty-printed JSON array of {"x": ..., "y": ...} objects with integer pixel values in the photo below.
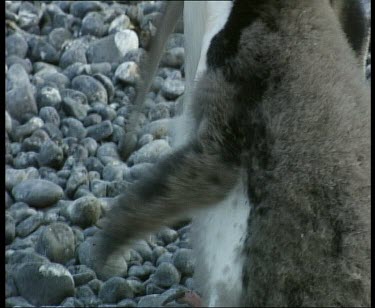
[{"x": 71, "y": 67}]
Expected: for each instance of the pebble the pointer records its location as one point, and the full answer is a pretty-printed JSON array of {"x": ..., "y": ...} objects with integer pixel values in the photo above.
[
  {"x": 26, "y": 63},
  {"x": 37, "y": 193},
  {"x": 107, "y": 153},
  {"x": 127, "y": 303},
  {"x": 17, "y": 77},
  {"x": 152, "y": 300},
  {"x": 84, "y": 211},
  {"x": 113, "y": 47},
  {"x": 91, "y": 87},
  {"x": 183, "y": 260},
  {"x": 166, "y": 275},
  {"x": 57, "y": 243},
  {"x": 16, "y": 45},
  {"x": 137, "y": 286},
  {"x": 165, "y": 257},
  {"x": 127, "y": 72},
  {"x": 143, "y": 249},
  {"x": 48, "y": 96},
  {"x": 86, "y": 296},
  {"x": 99, "y": 69},
  {"x": 114, "y": 172},
  {"x": 28, "y": 128},
  {"x": 168, "y": 235},
  {"x": 16, "y": 176},
  {"x": 58, "y": 36},
  {"x": 82, "y": 275},
  {"x": 50, "y": 154},
  {"x": 71, "y": 127},
  {"x": 172, "y": 88},
  {"x": 44, "y": 283},
  {"x": 100, "y": 131},
  {"x": 27, "y": 15},
  {"x": 17, "y": 301},
  {"x": 92, "y": 119},
  {"x": 173, "y": 57},
  {"x": 25, "y": 160},
  {"x": 21, "y": 98},
  {"x": 29, "y": 225},
  {"x": 73, "y": 55},
  {"x": 95, "y": 285},
  {"x": 40, "y": 50},
  {"x": 114, "y": 290},
  {"x": 57, "y": 80},
  {"x": 71, "y": 302},
  {"x": 151, "y": 152},
  {"x": 119, "y": 24},
  {"x": 158, "y": 129},
  {"x": 93, "y": 24},
  {"x": 10, "y": 228},
  {"x": 49, "y": 115},
  {"x": 81, "y": 8}
]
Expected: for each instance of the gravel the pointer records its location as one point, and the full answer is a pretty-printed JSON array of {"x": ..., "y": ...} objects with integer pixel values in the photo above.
[{"x": 71, "y": 69}]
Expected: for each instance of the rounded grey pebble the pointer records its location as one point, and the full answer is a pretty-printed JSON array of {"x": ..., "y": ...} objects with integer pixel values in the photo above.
[
  {"x": 127, "y": 72},
  {"x": 152, "y": 300},
  {"x": 93, "y": 24},
  {"x": 44, "y": 284},
  {"x": 50, "y": 154},
  {"x": 171, "y": 248},
  {"x": 73, "y": 55},
  {"x": 24, "y": 256},
  {"x": 48, "y": 96},
  {"x": 16, "y": 45},
  {"x": 25, "y": 160},
  {"x": 165, "y": 257},
  {"x": 114, "y": 172},
  {"x": 28, "y": 128},
  {"x": 37, "y": 193},
  {"x": 151, "y": 152},
  {"x": 26, "y": 63},
  {"x": 173, "y": 57},
  {"x": 90, "y": 144},
  {"x": 57, "y": 243},
  {"x": 71, "y": 302},
  {"x": 100, "y": 131},
  {"x": 77, "y": 177},
  {"x": 106, "y": 82},
  {"x": 58, "y": 80},
  {"x": 114, "y": 290},
  {"x": 84, "y": 211},
  {"x": 49, "y": 115},
  {"x": 71, "y": 127},
  {"x": 168, "y": 235},
  {"x": 138, "y": 271},
  {"x": 183, "y": 260},
  {"x": 17, "y": 301},
  {"x": 29, "y": 225},
  {"x": 172, "y": 88},
  {"x": 159, "y": 111},
  {"x": 137, "y": 286},
  {"x": 107, "y": 153},
  {"x": 95, "y": 285},
  {"x": 81, "y": 8},
  {"x": 127, "y": 303},
  {"x": 16, "y": 176},
  {"x": 53, "y": 131},
  {"x": 58, "y": 36},
  {"x": 166, "y": 275},
  {"x": 17, "y": 77},
  {"x": 92, "y": 119},
  {"x": 40, "y": 50},
  {"x": 143, "y": 249},
  {"x": 10, "y": 228},
  {"x": 35, "y": 141},
  {"x": 21, "y": 211},
  {"x": 91, "y": 87},
  {"x": 85, "y": 294},
  {"x": 120, "y": 23},
  {"x": 21, "y": 98}
]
